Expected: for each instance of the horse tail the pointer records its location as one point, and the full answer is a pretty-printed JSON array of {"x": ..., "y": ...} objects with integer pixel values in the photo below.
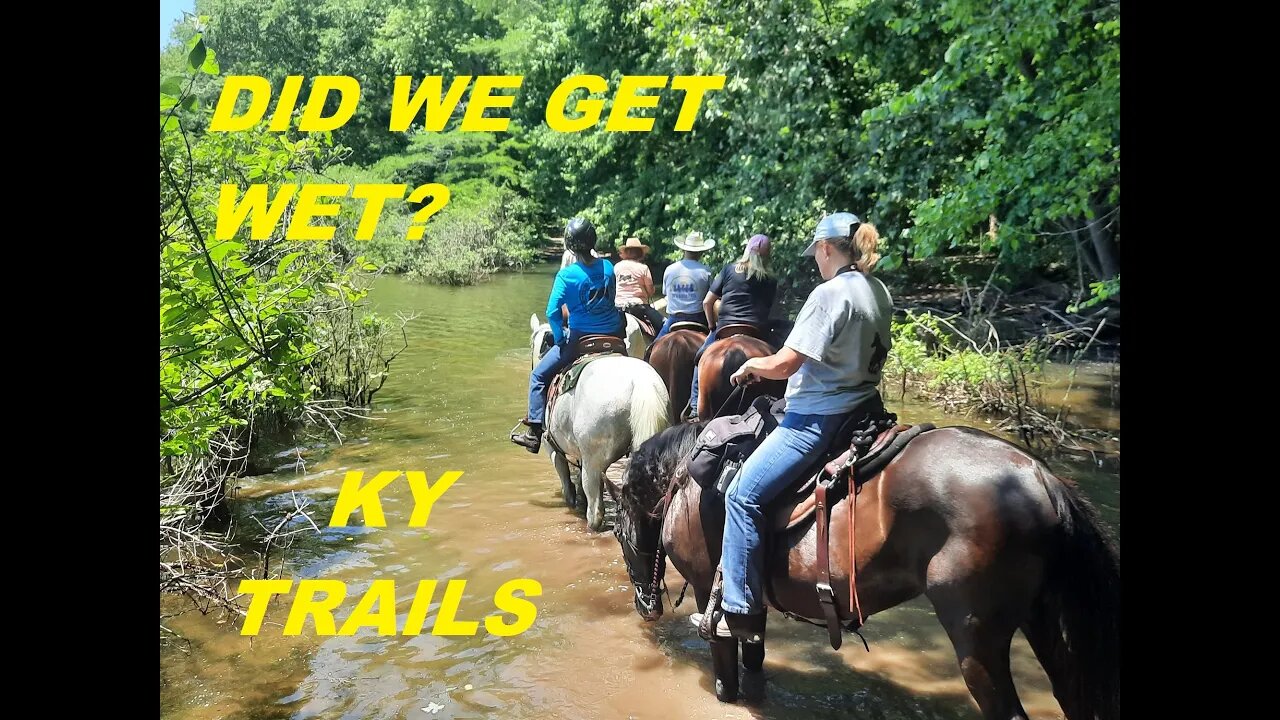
[
  {"x": 650, "y": 411},
  {"x": 1074, "y": 627}
]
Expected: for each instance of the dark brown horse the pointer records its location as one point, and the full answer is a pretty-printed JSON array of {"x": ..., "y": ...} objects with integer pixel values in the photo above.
[
  {"x": 672, "y": 356},
  {"x": 980, "y": 527},
  {"x": 721, "y": 360}
]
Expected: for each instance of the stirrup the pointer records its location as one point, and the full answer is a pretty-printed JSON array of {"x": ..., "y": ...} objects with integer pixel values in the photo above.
[
  {"x": 528, "y": 441},
  {"x": 711, "y": 618}
]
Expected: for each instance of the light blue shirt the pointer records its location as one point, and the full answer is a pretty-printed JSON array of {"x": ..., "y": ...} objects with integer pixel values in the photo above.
[{"x": 685, "y": 284}]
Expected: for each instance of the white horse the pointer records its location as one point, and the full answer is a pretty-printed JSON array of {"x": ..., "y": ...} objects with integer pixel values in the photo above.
[
  {"x": 617, "y": 404},
  {"x": 636, "y": 341}
]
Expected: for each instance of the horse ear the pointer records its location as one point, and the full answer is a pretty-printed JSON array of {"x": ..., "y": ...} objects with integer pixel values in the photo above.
[{"x": 533, "y": 322}]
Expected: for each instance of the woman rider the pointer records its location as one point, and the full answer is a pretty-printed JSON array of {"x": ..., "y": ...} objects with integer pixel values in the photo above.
[
  {"x": 635, "y": 283},
  {"x": 832, "y": 361},
  {"x": 746, "y": 289},
  {"x": 587, "y": 288}
]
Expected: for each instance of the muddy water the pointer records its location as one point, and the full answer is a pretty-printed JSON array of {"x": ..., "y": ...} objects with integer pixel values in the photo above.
[{"x": 451, "y": 400}]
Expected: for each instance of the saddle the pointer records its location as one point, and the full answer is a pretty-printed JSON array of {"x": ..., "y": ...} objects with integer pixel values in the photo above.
[
  {"x": 589, "y": 348},
  {"x": 732, "y": 329},
  {"x": 688, "y": 325},
  {"x": 636, "y": 311},
  {"x": 864, "y": 446},
  {"x": 814, "y": 498}
]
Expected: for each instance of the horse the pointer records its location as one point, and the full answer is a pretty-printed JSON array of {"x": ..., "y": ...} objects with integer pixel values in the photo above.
[
  {"x": 672, "y": 357},
  {"x": 637, "y": 340},
  {"x": 720, "y": 361},
  {"x": 981, "y": 527},
  {"x": 617, "y": 403}
]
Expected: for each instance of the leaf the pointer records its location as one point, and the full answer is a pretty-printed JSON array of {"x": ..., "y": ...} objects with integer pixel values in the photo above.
[
  {"x": 171, "y": 86},
  {"x": 169, "y": 124},
  {"x": 285, "y": 261},
  {"x": 196, "y": 58},
  {"x": 219, "y": 251},
  {"x": 189, "y": 104},
  {"x": 210, "y": 65}
]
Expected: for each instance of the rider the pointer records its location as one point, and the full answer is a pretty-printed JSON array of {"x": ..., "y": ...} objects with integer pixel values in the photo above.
[
  {"x": 635, "y": 282},
  {"x": 685, "y": 283},
  {"x": 832, "y": 361},
  {"x": 587, "y": 288},
  {"x": 746, "y": 289}
]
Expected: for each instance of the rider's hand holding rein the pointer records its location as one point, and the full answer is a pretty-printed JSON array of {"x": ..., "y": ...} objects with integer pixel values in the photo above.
[{"x": 779, "y": 366}]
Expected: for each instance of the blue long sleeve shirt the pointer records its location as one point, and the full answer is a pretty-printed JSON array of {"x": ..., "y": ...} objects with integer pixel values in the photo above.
[{"x": 588, "y": 290}]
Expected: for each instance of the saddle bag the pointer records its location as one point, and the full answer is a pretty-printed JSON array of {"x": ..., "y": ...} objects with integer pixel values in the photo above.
[{"x": 726, "y": 443}]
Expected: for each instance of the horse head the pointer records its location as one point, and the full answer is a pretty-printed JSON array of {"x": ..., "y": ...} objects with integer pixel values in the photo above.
[
  {"x": 641, "y": 507},
  {"x": 638, "y": 532},
  {"x": 540, "y": 341}
]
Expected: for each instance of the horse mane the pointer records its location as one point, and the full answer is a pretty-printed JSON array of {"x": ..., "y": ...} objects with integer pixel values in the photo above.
[{"x": 654, "y": 465}]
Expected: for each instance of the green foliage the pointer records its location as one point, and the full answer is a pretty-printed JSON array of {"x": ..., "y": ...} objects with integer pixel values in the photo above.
[
  {"x": 934, "y": 359},
  {"x": 1099, "y": 292},
  {"x": 957, "y": 127},
  {"x": 246, "y": 327}
]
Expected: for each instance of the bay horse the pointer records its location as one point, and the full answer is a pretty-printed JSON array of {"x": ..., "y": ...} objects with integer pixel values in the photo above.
[
  {"x": 617, "y": 403},
  {"x": 720, "y": 361},
  {"x": 982, "y": 528},
  {"x": 672, "y": 356}
]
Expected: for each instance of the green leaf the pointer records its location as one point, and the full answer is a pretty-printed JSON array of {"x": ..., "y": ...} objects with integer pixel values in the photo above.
[
  {"x": 169, "y": 124},
  {"x": 167, "y": 101},
  {"x": 171, "y": 86},
  {"x": 189, "y": 104},
  {"x": 219, "y": 251},
  {"x": 210, "y": 66},
  {"x": 285, "y": 261},
  {"x": 196, "y": 58}
]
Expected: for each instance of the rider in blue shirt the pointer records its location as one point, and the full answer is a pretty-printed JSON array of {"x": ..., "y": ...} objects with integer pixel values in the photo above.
[{"x": 587, "y": 288}]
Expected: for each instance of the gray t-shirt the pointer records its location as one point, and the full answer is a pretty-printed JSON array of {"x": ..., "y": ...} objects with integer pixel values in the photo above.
[{"x": 843, "y": 331}]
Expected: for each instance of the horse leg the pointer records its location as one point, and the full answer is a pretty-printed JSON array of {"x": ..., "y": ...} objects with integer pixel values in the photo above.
[
  {"x": 566, "y": 483},
  {"x": 753, "y": 685},
  {"x": 580, "y": 496},
  {"x": 981, "y": 623},
  {"x": 724, "y": 660},
  {"x": 593, "y": 489}
]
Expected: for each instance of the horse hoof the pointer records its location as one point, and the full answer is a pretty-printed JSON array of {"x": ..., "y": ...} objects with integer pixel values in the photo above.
[
  {"x": 723, "y": 694},
  {"x": 753, "y": 686}
]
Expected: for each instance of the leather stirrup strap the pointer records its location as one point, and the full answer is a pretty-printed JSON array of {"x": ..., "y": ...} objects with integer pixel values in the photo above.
[
  {"x": 855, "y": 606},
  {"x": 826, "y": 597},
  {"x": 711, "y": 616}
]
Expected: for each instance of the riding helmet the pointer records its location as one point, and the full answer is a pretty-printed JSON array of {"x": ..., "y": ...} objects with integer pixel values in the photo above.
[{"x": 580, "y": 236}]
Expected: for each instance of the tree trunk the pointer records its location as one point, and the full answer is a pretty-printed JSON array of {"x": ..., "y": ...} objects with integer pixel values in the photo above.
[
  {"x": 1103, "y": 243},
  {"x": 1084, "y": 251}
]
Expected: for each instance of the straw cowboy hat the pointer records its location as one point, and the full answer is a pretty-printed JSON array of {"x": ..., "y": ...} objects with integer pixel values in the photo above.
[
  {"x": 695, "y": 243},
  {"x": 634, "y": 243}
]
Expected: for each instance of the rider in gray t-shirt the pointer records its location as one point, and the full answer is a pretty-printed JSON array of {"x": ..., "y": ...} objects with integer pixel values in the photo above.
[{"x": 832, "y": 362}]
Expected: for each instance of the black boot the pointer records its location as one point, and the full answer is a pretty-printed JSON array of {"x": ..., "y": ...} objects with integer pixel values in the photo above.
[{"x": 531, "y": 440}]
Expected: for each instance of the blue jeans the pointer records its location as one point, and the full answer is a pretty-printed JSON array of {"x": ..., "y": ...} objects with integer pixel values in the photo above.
[
  {"x": 772, "y": 468},
  {"x": 557, "y": 358},
  {"x": 698, "y": 317},
  {"x": 693, "y": 395}
]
